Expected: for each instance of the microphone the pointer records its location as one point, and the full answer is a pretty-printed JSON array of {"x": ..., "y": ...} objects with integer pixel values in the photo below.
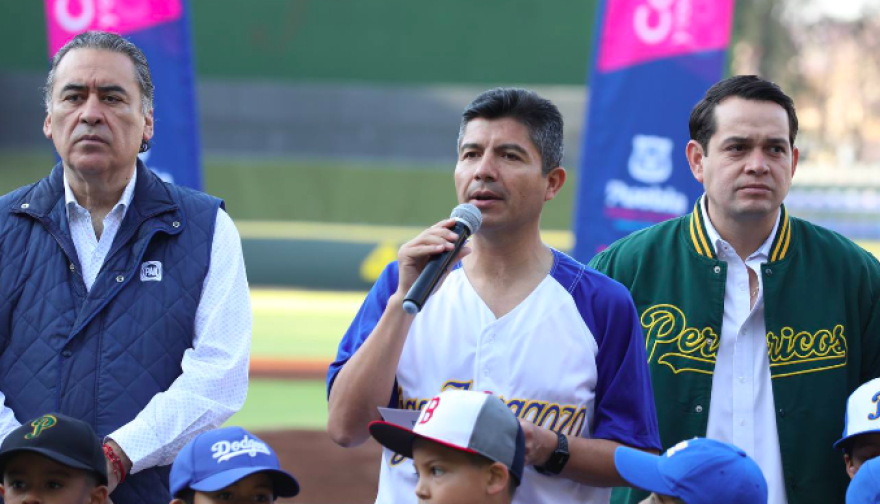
[{"x": 467, "y": 222}]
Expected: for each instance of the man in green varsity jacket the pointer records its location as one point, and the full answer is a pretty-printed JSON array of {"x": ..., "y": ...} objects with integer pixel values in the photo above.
[{"x": 758, "y": 325}]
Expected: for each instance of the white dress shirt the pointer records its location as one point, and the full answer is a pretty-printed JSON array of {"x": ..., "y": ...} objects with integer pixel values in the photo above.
[
  {"x": 741, "y": 410},
  {"x": 214, "y": 382}
]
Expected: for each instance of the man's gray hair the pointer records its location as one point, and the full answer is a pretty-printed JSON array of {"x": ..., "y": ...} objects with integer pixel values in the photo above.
[{"x": 107, "y": 42}]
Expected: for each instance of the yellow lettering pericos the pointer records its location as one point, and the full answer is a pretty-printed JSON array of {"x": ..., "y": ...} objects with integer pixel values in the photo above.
[
  {"x": 798, "y": 352},
  {"x": 670, "y": 342}
]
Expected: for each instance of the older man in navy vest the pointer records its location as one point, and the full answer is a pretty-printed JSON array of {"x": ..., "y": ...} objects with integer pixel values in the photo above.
[{"x": 123, "y": 299}]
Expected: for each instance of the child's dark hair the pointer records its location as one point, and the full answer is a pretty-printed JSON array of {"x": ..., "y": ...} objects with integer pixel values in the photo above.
[{"x": 188, "y": 496}]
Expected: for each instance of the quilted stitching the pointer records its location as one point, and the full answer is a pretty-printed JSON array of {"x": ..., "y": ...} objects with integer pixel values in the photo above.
[{"x": 131, "y": 349}]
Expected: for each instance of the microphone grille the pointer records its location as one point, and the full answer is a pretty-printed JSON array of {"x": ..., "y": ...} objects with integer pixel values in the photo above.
[{"x": 469, "y": 215}]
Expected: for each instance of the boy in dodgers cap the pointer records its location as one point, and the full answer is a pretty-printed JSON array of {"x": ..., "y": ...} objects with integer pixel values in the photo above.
[
  {"x": 467, "y": 447},
  {"x": 228, "y": 464},
  {"x": 861, "y": 430},
  {"x": 53, "y": 459},
  {"x": 697, "y": 471}
]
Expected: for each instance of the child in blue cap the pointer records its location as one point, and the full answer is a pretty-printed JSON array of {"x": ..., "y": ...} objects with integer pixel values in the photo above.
[
  {"x": 228, "y": 465},
  {"x": 697, "y": 471},
  {"x": 865, "y": 485}
]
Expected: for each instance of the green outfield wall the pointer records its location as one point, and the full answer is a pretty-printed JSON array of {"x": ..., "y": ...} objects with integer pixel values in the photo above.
[{"x": 367, "y": 41}]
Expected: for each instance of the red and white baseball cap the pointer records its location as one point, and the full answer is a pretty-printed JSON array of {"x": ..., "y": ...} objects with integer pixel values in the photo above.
[{"x": 473, "y": 422}]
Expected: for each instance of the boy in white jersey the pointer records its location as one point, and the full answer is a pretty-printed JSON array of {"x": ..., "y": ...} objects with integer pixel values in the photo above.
[
  {"x": 560, "y": 343},
  {"x": 467, "y": 447}
]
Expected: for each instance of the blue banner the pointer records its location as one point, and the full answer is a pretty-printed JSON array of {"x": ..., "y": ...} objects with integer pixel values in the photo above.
[
  {"x": 653, "y": 61},
  {"x": 160, "y": 28}
]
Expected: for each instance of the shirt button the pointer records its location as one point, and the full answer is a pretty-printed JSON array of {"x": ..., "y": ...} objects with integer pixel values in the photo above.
[
  {"x": 742, "y": 286},
  {"x": 25, "y": 206},
  {"x": 699, "y": 409},
  {"x": 781, "y": 412},
  {"x": 717, "y": 269},
  {"x": 742, "y": 423},
  {"x": 120, "y": 279},
  {"x": 742, "y": 379},
  {"x": 72, "y": 267},
  {"x": 768, "y": 271},
  {"x": 176, "y": 224},
  {"x": 66, "y": 353}
]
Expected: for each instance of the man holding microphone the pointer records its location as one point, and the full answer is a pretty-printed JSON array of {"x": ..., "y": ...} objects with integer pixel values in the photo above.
[{"x": 558, "y": 342}]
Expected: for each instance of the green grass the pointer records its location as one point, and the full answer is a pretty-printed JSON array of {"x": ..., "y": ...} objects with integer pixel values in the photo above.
[
  {"x": 283, "y": 404},
  {"x": 296, "y": 325},
  {"x": 22, "y": 168},
  {"x": 301, "y": 324}
]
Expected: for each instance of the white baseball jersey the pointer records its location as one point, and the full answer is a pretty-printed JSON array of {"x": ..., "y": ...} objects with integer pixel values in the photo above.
[{"x": 570, "y": 357}]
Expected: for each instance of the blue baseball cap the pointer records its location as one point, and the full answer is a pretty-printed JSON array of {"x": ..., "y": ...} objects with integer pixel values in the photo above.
[
  {"x": 865, "y": 485},
  {"x": 697, "y": 471},
  {"x": 218, "y": 458}
]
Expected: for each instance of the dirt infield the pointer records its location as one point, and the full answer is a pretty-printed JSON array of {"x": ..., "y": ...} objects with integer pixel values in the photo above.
[
  {"x": 288, "y": 369},
  {"x": 327, "y": 473}
]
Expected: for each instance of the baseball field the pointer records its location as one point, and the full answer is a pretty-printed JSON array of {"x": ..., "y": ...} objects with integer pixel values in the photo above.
[
  {"x": 296, "y": 332},
  {"x": 295, "y": 337}
]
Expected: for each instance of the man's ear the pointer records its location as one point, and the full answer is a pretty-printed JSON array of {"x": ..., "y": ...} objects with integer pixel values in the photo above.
[
  {"x": 497, "y": 478},
  {"x": 148, "y": 126},
  {"x": 851, "y": 468},
  {"x": 695, "y": 155},
  {"x": 99, "y": 495},
  {"x": 555, "y": 181},
  {"x": 47, "y": 126}
]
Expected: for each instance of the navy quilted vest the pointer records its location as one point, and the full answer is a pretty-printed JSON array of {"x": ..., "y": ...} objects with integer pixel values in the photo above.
[{"x": 101, "y": 355}]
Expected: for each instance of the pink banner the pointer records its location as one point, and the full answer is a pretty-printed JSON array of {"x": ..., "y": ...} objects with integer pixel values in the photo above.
[
  {"x": 638, "y": 31},
  {"x": 67, "y": 18}
]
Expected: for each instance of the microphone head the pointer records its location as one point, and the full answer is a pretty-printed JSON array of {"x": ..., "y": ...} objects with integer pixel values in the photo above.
[{"x": 469, "y": 215}]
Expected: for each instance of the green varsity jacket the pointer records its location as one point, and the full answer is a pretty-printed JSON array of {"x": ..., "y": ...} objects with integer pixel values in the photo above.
[{"x": 822, "y": 313}]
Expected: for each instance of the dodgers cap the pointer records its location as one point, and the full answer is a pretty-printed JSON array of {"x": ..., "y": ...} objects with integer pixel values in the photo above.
[
  {"x": 698, "y": 471},
  {"x": 68, "y": 441},
  {"x": 865, "y": 485},
  {"x": 216, "y": 459},
  {"x": 862, "y": 412},
  {"x": 472, "y": 422}
]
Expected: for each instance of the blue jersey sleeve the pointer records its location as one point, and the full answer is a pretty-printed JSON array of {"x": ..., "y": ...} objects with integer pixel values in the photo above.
[
  {"x": 625, "y": 410},
  {"x": 364, "y": 322}
]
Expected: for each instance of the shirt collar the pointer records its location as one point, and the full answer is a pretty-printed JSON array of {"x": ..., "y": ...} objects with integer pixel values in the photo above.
[
  {"x": 123, "y": 203},
  {"x": 718, "y": 242}
]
